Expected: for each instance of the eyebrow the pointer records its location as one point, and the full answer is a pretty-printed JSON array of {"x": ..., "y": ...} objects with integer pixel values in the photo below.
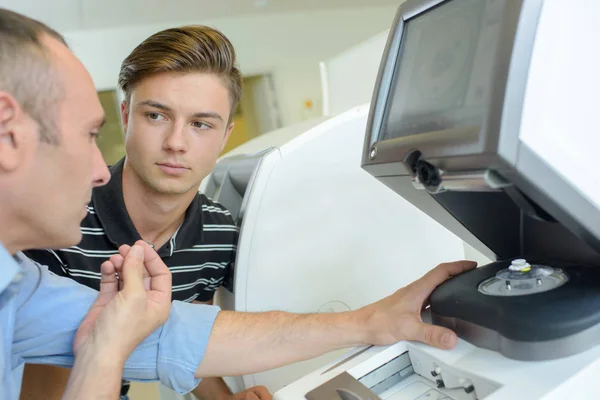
[{"x": 164, "y": 107}]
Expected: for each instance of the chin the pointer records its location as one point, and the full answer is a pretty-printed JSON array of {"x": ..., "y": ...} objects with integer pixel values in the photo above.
[
  {"x": 67, "y": 239},
  {"x": 172, "y": 189}
]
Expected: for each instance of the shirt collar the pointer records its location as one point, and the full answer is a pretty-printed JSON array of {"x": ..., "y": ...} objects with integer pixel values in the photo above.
[
  {"x": 109, "y": 206},
  {"x": 10, "y": 270}
]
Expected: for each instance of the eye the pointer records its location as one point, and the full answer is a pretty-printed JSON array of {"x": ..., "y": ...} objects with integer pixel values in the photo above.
[
  {"x": 201, "y": 125},
  {"x": 154, "y": 116}
]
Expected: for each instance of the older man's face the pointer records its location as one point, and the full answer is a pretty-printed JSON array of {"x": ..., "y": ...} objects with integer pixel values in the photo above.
[{"x": 62, "y": 176}]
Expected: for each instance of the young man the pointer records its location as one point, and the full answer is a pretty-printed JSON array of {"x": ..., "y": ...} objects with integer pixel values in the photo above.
[
  {"x": 49, "y": 114},
  {"x": 181, "y": 89}
]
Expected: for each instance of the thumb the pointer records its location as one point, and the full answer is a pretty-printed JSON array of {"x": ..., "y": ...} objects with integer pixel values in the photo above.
[
  {"x": 442, "y": 338},
  {"x": 133, "y": 269}
]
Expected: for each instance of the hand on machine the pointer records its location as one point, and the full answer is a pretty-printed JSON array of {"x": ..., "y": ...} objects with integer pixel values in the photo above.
[{"x": 398, "y": 316}]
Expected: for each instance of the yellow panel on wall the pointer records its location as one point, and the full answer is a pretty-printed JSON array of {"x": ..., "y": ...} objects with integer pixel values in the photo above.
[
  {"x": 110, "y": 140},
  {"x": 239, "y": 135}
]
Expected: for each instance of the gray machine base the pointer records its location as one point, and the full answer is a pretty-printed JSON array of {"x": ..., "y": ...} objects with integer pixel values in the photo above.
[{"x": 519, "y": 350}]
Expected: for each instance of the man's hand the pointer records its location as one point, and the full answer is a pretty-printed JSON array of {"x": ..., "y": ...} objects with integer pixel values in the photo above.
[
  {"x": 129, "y": 307},
  {"x": 398, "y": 316},
  {"x": 254, "y": 393}
]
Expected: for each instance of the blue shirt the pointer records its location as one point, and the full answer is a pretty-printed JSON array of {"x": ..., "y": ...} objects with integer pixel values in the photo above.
[{"x": 40, "y": 313}]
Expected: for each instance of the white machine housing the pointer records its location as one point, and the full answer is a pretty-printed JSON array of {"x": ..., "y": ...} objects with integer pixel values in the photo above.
[
  {"x": 557, "y": 124},
  {"x": 318, "y": 233},
  {"x": 405, "y": 372}
]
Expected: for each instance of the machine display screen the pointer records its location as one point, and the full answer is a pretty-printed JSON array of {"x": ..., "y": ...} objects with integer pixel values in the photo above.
[{"x": 443, "y": 74}]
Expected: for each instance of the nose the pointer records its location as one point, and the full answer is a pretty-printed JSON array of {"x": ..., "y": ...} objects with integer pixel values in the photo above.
[
  {"x": 176, "y": 140},
  {"x": 101, "y": 174}
]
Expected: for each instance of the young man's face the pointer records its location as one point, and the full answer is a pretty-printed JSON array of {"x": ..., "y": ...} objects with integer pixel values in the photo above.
[
  {"x": 54, "y": 181},
  {"x": 175, "y": 128}
]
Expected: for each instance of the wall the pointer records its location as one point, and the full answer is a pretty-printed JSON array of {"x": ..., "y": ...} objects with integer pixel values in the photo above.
[
  {"x": 111, "y": 141},
  {"x": 290, "y": 46},
  {"x": 337, "y": 71},
  {"x": 240, "y": 134}
]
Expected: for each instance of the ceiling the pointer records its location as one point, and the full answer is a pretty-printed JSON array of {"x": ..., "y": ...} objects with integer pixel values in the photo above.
[{"x": 71, "y": 15}]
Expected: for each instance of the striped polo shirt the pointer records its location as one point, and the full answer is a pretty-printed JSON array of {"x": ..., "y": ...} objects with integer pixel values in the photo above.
[{"x": 200, "y": 254}]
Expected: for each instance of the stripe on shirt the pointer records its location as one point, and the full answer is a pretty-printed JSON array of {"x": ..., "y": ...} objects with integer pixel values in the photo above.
[{"x": 197, "y": 271}]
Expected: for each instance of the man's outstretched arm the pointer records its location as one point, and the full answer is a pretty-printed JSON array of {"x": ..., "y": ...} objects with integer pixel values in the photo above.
[{"x": 242, "y": 343}]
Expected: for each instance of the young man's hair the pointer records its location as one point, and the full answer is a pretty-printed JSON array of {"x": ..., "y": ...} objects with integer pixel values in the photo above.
[
  {"x": 26, "y": 70},
  {"x": 193, "y": 48}
]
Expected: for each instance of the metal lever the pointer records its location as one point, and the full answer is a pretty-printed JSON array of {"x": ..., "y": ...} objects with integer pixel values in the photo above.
[{"x": 429, "y": 178}]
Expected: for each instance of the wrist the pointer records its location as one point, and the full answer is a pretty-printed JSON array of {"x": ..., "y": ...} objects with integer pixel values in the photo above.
[
  {"x": 102, "y": 355},
  {"x": 365, "y": 327},
  {"x": 94, "y": 372}
]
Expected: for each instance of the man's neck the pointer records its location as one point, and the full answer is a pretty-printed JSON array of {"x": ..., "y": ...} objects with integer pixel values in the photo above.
[
  {"x": 156, "y": 216},
  {"x": 15, "y": 232},
  {"x": 6, "y": 241}
]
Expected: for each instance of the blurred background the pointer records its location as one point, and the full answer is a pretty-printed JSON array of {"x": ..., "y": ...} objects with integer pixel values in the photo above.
[{"x": 279, "y": 45}]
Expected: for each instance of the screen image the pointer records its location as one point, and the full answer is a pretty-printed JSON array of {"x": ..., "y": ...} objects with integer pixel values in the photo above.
[{"x": 443, "y": 73}]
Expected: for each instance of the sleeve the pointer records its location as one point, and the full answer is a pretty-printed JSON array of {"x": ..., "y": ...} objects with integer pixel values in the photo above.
[
  {"x": 206, "y": 294},
  {"x": 51, "y": 308},
  {"x": 225, "y": 276},
  {"x": 228, "y": 281}
]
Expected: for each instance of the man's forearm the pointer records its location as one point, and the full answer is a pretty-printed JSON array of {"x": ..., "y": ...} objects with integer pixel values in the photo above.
[
  {"x": 242, "y": 343},
  {"x": 94, "y": 376},
  {"x": 212, "y": 389}
]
